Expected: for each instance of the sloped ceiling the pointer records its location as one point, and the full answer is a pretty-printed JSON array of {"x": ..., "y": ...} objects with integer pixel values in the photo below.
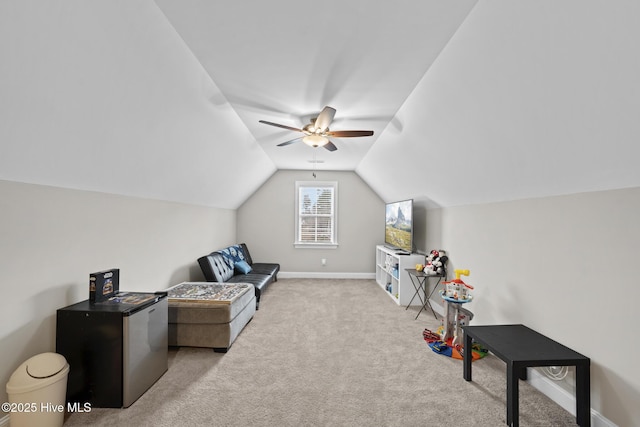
[
  {"x": 284, "y": 60},
  {"x": 529, "y": 99},
  {"x": 471, "y": 102},
  {"x": 105, "y": 96}
]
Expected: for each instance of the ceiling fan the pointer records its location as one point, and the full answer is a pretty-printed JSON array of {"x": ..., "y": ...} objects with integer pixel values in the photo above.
[{"x": 317, "y": 133}]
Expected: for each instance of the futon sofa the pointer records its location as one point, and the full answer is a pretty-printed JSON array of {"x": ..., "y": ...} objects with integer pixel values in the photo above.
[{"x": 233, "y": 264}]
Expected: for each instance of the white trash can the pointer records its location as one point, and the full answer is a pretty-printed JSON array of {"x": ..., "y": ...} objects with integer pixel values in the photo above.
[{"x": 38, "y": 390}]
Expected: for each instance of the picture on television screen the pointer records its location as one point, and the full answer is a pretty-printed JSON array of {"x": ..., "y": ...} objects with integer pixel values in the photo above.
[{"x": 399, "y": 225}]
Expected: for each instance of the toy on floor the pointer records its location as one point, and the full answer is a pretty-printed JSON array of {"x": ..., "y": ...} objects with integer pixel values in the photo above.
[
  {"x": 448, "y": 339},
  {"x": 443, "y": 348},
  {"x": 455, "y": 294}
]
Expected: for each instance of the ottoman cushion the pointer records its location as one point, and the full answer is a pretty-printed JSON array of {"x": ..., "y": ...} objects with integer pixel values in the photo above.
[{"x": 208, "y": 314}]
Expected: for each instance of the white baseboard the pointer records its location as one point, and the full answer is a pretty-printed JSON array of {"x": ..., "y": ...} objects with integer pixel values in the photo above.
[
  {"x": 562, "y": 397},
  {"x": 553, "y": 391},
  {"x": 4, "y": 421},
  {"x": 318, "y": 275}
]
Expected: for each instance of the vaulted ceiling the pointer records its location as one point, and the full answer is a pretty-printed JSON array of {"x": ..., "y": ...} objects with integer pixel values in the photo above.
[
  {"x": 285, "y": 60},
  {"x": 470, "y": 101}
]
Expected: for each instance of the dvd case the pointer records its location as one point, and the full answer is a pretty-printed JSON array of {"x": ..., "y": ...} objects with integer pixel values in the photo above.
[{"x": 103, "y": 285}]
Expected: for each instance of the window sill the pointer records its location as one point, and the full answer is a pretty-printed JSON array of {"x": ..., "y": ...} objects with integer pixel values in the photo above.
[{"x": 299, "y": 245}]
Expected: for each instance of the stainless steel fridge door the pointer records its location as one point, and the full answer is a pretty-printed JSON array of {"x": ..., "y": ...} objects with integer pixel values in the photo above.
[{"x": 145, "y": 339}]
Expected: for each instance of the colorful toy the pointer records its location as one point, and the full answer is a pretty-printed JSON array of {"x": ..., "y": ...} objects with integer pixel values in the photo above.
[
  {"x": 448, "y": 340},
  {"x": 438, "y": 346},
  {"x": 456, "y": 289},
  {"x": 435, "y": 262},
  {"x": 455, "y": 294}
]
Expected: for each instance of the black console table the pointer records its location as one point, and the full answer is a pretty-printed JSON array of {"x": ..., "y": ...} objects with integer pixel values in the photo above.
[{"x": 521, "y": 347}]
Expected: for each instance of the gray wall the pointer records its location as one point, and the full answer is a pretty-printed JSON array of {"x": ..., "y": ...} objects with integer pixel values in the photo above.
[
  {"x": 562, "y": 265},
  {"x": 51, "y": 239},
  {"x": 565, "y": 266},
  {"x": 266, "y": 222}
]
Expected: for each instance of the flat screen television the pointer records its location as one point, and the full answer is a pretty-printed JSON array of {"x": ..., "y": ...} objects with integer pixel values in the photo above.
[{"x": 398, "y": 225}]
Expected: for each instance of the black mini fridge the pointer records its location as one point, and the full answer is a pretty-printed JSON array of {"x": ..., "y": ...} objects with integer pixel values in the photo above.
[{"x": 116, "y": 349}]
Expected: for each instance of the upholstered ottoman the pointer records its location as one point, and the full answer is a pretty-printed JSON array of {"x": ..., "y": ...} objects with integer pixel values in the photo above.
[{"x": 209, "y": 314}]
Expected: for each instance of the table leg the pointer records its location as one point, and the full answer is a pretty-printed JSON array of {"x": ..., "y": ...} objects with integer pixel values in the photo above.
[
  {"x": 583, "y": 396},
  {"x": 420, "y": 286},
  {"x": 435, "y": 287},
  {"x": 417, "y": 287},
  {"x": 427, "y": 298},
  {"x": 513, "y": 371},
  {"x": 425, "y": 302},
  {"x": 523, "y": 374},
  {"x": 467, "y": 356},
  {"x": 412, "y": 298}
]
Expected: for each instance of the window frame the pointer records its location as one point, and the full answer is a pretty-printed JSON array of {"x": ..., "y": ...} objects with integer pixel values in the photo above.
[{"x": 333, "y": 244}]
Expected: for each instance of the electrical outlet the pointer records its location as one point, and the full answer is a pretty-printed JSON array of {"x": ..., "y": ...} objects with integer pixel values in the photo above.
[{"x": 324, "y": 261}]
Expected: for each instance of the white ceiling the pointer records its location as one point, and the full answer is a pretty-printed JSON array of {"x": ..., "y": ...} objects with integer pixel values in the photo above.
[
  {"x": 529, "y": 99},
  {"x": 470, "y": 101},
  {"x": 284, "y": 60}
]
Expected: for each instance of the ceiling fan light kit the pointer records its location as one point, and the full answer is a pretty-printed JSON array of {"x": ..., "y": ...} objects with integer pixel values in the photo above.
[
  {"x": 317, "y": 132},
  {"x": 315, "y": 140}
]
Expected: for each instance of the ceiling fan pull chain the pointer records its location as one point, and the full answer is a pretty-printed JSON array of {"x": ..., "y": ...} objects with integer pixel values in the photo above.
[{"x": 314, "y": 164}]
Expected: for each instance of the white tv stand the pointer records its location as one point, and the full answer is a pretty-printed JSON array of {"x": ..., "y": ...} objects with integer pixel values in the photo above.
[{"x": 391, "y": 270}]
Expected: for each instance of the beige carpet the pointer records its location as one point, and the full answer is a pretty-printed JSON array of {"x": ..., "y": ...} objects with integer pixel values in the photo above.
[{"x": 328, "y": 353}]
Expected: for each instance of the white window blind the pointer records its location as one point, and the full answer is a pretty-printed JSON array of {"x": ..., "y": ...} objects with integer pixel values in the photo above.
[{"x": 316, "y": 208}]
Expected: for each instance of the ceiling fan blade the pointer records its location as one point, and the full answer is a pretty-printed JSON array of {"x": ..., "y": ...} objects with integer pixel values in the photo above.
[
  {"x": 282, "y": 144},
  {"x": 350, "y": 133},
  {"x": 330, "y": 146},
  {"x": 280, "y": 126},
  {"x": 325, "y": 118}
]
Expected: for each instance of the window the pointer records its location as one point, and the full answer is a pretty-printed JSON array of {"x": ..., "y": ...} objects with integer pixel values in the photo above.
[{"x": 316, "y": 214}]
